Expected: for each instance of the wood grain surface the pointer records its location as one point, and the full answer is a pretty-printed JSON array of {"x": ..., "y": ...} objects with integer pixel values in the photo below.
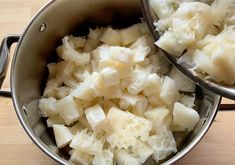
[{"x": 16, "y": 148}]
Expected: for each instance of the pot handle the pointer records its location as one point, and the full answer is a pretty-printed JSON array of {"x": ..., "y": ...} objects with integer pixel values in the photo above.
[{"x": 4, "y": 54}]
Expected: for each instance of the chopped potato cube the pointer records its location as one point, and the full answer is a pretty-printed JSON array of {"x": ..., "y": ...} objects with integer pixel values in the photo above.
[
  {"x": 121, "y": 54},
  {"x": 169, "y": 91},
  {"x": 87, "y": 142},
  {"x": 80, "y": 157},
  {"x": 47, "y": 106},
  {"x": 69, "y": 110},
  {"x": 110, "y": 76},
  {"x": 111, "y": 37},
  {"x": 106, "y": 158},
  {"x": 124, "y": 158},
  {"x": 184, "y": 116},
  {"x": 96, "y": 117},
  {"x": 54, "y": 120},
  {"x": 130, "y": 35},
  {"x": 157, "y": 115},
  {"x": 62, "y": 135}
]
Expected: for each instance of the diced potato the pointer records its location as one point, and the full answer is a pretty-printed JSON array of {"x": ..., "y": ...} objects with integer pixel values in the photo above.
[
  {"x": 169, "y": 43},
  {"x": 78, "y": 42},
  {"x": 85, "y": 90},
  {"x": 69, "y": 110},
  {"x": 62, "y": 135},
  {"x": 185, "y": 117},
  {"x": 93, "y": 39},
  {"x": 123, "y": 158},
  {"x": 110, "y": 76},
  {"x": 106, "y": 158},
  {"x": 52, "y": 67},
  {"x": 157, "y": 115},
  {"x": 142, "y": 41},
  {"x": 140, "y": 107},
  {"x": 50, "y": 90},
  {"x": 189, "y": 29},
  {"x": 153, "y": 81},
  {"x": 71, "y": 82},
  {"x": 130, "y": 35},
  {"x": 62, "y": 92},
  {"x": 70, "y": 54},
  {"x": 87, "y": 143},
  {"x": 80, "y": 157},
  {"x": 124, "y": 123},
  {"x": 143, "y": 28},
  {"x": 47, "y": 106},
  {"x": 111, "y": 37},
  {"x": 101, "y": 53},
  {"x": 96, "y": 117},
  {"x": 125, "y": 70},
  {"x": 60, "y": 51},
  {"x": 65, "y": 69},
  {"x": 169, "y": 91},
  {"x": 54, "y": 120},
  {"x": 121, "y": 54},
  {"x": 163, "y": 144},
  {"x": 139, "y": 103},
  {"x": 162, "y": 8},
  {"x": 139, "y": 78},
  {"x": 140, "y": 53},
  {"x": 77, "y": 128},
  {"x": 142, "y": 151},
  {"x": 83, "y": 120},
  {"x": 120, "y": 117}
]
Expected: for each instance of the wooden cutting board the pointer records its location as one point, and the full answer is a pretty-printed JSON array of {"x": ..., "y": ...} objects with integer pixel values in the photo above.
[{"x": 16, "y": 148}]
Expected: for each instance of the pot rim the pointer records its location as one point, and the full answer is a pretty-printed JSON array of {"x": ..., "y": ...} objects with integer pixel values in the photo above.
[{"x": 59, "y": 159}]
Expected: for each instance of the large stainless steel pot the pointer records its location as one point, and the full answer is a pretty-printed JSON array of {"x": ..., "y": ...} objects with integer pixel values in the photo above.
[{"x": 37, "y": 45}]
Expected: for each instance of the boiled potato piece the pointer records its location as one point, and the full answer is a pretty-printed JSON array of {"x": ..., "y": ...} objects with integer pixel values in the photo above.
[
  {"x": 185, "y": 117},
  {"x": 96, "y": 117},
  {"x": 80, "y": 157},
  {"x": 110, "y": 76},
  {"x": 70, "y": 54},
  {"x": 62, "y": 135},
  {"x": 69, "y": 110},
  {"x": 169, "y": 43},
  {"x": 87, "y": 142},
  {"x": 142, "y": 151},
  {"x": 105, "y": 158},
  {"x": 122, "y": 157},
  {"x": 162, "y": 8},
  {"x": 157, "y": 115},
  {"x": 130, "y": 35},
  {"x": 163, "y": 144},
  {"x": 54, "y": 120},
  {"x": 169, "y": 91},
  {"x": 47, "y": 106},
  {"x": 111, "y": 37}
]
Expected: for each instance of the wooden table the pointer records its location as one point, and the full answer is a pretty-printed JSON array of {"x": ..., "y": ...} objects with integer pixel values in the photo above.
[{"x": 16, "y": 148}]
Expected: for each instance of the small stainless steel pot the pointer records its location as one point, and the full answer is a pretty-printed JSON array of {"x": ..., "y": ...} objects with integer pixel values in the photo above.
[{"x": 35, "y": 50}]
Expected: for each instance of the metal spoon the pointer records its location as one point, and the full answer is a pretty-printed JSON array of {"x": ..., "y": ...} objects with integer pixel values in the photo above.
[{"x": 186, "y": 68}]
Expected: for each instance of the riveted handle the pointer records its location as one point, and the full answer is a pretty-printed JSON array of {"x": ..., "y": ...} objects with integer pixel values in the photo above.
[{"x": 4, "y": 54}]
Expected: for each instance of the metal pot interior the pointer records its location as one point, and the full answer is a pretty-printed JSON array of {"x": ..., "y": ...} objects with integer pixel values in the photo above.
[{"x": 36, "y": 49}]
